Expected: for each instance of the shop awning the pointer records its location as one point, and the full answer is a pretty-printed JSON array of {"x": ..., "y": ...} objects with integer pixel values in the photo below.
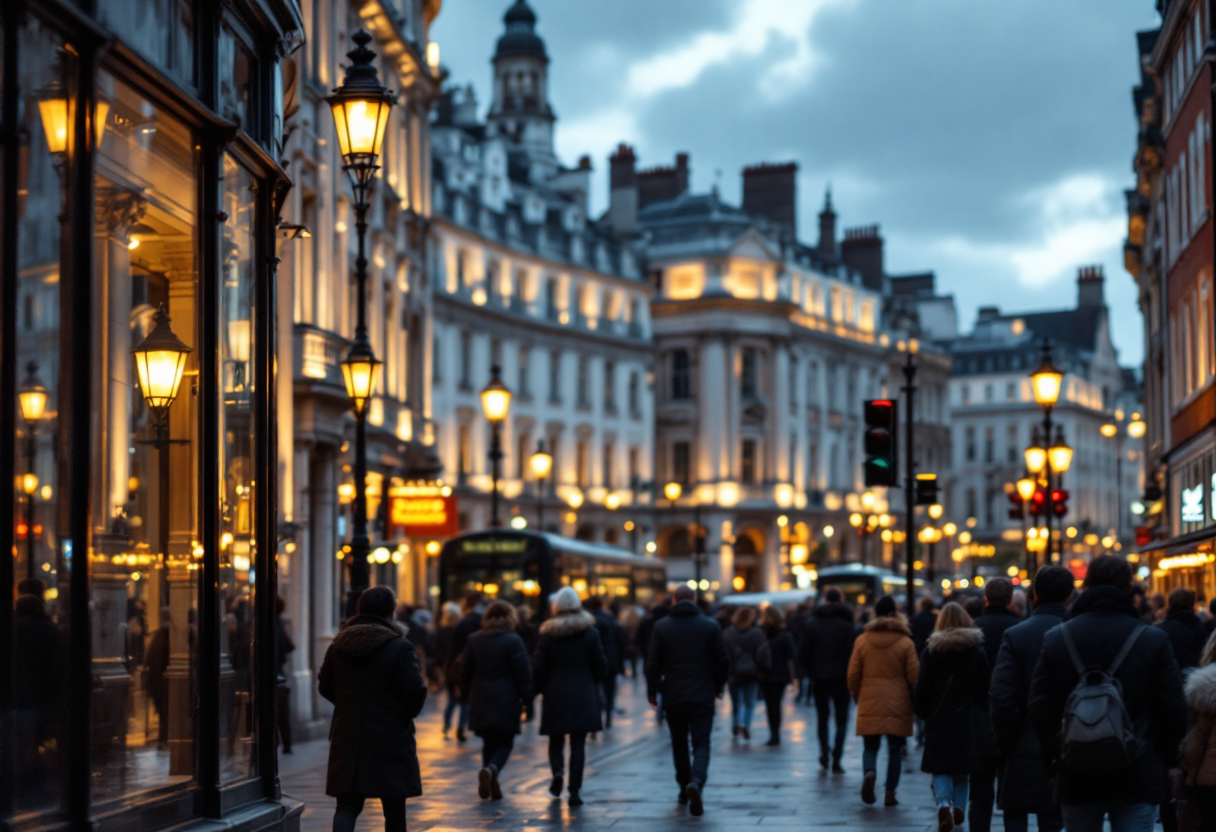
[{"x": 1203, "y": 540}]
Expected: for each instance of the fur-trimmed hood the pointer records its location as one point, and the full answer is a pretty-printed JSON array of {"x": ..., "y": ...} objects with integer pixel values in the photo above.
[
  {"x": 567, "y": 623},
  {"x": 956, "y": 640},
  {"x": 889, "y": 624},
  {"x": 363, "y": 635},
  {"x": 1201, "y": 689}
]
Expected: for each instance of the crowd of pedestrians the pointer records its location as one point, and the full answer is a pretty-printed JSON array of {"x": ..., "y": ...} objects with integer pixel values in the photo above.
[{"x": 1060, "y": 701}]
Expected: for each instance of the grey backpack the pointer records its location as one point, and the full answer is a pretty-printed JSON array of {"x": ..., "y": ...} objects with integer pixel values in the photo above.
[{"x": 1097, "y": 737}]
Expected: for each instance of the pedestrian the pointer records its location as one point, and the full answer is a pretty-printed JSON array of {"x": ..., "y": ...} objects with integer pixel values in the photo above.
[
  {"x": 882, "y": 675},
  {"x": 496, "y": 676},
  {"x": 922, "y": 625},
  {"x": 660, "y": 610},
  {"x": 1199, "y": 748},
  {"x": 688, "y": 665},
  {"x": 472, "y": 607},
  {"x": 953, "y": 686},
  {"x": 796, "y": 621},
  {"x": 156, "y": 666},
  {"x": 776, "y": 667},
  {"x": 567, "y": 669},
  {"x": 1025, "y": 781},
  {"x": 37, "y": 694},
  {"x": 743, "y": 642},
  {"x": 824, "y": 653},
  {"x": 997, "y": 617},
  {"x": 446, "y": 658},
  {"x": 1103, "y": 632},
  {"x": 629, "y": 616},
  {"x": 1187, "y": 633},
  {"x": 612, "y": 636},
  {"x": 371, "y": 675},
  {"x": 283, "y": 647}
]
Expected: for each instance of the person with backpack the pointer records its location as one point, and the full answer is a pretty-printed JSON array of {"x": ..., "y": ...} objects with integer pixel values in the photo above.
[
  {"x": 743, "y": 641},
  {"x": 825, "y": 650},
  {"x": 1106, "y": 702},
  {"x": 776, "y": 660}
]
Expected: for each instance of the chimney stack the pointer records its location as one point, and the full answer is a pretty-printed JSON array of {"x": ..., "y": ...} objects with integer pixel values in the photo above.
[
  {"x": 1089, "y": 286},
  {"x": 827, "y": 227},
  {"x": 769, "y": 191},
  {"x": 623, "y": 190},
  {"x": 662, "y": 184},
  {"x": 862, "y": 250}
]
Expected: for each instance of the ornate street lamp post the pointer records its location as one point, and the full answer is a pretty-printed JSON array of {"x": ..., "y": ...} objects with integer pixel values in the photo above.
[
  {"x": 360, "y": 109},
  {"x": 542, "y": 464},
  {"x": 495, "y": 402},
  {"x": 1046, "y": 380},
  {"x": 32, "y": 398}
]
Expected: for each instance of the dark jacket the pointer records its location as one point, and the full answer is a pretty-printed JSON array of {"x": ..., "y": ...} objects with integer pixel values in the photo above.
[
  {"x": 1099, "y": 622},
  {"x": 827, "y": 643},
  {"x": 568, "y": 664},
  {"x": 953, "y": 685},
  {"x": 445, "y": 656},
  {"x": 1025, "y": 785},
  {"x": 782, "y": 650},
  {"x": 371, "y": 675},
  {"x": 37, "y": 657},
  {"x": 741, "y": 643},
  {"x": 922, "y": 625},
  {"x": 1187, "y": 636},
  {"x": 646, "y": 630},
  {"x": 688, "y": 662},
  {"x": 612, "y": 637},
  {"x": 284, "y": 647},
  {"x": 465, "y": 627},
  {"x": 496, "y": 676},
  {"x": 993, "y": 623}
]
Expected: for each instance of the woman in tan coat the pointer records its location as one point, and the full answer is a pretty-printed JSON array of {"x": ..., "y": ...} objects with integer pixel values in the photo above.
[
  {"x": 1199, "y": 749},
  {"x": 882, "y": 675}
]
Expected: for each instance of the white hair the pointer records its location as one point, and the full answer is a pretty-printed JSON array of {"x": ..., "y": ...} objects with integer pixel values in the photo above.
[{"x": 565, "y": 600}]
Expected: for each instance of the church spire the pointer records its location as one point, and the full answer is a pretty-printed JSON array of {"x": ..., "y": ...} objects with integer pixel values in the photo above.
[{"x": 827, "y": 226}]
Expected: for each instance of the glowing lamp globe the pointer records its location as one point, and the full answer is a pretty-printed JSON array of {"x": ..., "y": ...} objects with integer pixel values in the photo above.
[
  {"x": 495, "y": 398},
  {"x": 1046, "y": 380},
  {"x": 361, "y": 106},
  {"x": 359, "y": 373},
  {"x": 1136, "y": 428},
  {"x": 1060, "y": 456},
  {"x": 1036, "y": 459},
  {"x": 32, "y": 396},
  {"x": 541, "y": 461},
  {"x": 1026, "y": 487},
  {"x": 672, "y": 491},
  {"x": 160, "y": 361}
]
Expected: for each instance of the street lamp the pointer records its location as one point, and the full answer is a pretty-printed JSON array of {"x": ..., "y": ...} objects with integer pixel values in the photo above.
[
  {"x": 495, "y": 402},
  {"x": 32, "y": 398},
  {"x": 1059, "y": 455},
  {"x": 1047, "y": 381},
  {"x": 542, "y": 464},
  {"x": 360, "y": 109},
  {"x": 672, "y": 492}
]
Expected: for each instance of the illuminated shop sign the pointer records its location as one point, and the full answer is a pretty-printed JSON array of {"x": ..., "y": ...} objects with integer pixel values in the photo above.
[
  {"x": 421, "y": 512},
  {"x": 1192, "y": 505}
]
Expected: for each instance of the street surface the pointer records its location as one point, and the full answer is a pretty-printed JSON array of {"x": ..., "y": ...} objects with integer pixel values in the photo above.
[{"x": 630, "y": 785}]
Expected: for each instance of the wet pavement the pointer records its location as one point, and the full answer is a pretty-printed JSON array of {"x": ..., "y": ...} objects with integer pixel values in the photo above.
[{"x": 630, "y": 782}]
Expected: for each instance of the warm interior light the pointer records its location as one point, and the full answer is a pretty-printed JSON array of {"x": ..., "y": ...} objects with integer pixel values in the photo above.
[
  {"x": 575, "y": 499},
  {"x": 239, "y": 338},
  {"x": 672, "y": 491},
  {"x": 495, "y": 398},
  {"x": 867, "y": 500},
  {"x": 855, "y": 519},
  {"x": 612, "y": 502},
  {"x": 160, "y": 360},
  {"x": 1036, "y": 459},
  {"x": 1108, "y": 430},
  {"x": 1026, "y": 488},
  {"x": 949, "y": 529},
  {"x": 381, "y": 554},
  {"x": 828, "y": 531},
  {"x": 29, "y": 483}
]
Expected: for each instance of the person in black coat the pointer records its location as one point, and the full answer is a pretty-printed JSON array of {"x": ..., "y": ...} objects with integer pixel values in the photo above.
[
  {"x": 827, "y": 645},
  {"x": 567, "y": 669},
  {"x": 996, "y": 618},
  {"x": 1025, "y": 784},
  {"x": 473, "y": 606},
  {"x": 496, "y": 675},
  {"x": 37, "y": 685},
  {"x": 371, "y": 675},
  {"x": 283, "y": 648},
  {"x": 1099, "y": 623},
  {"x": 953, "y": 685},
  {"x": 923, "y": 623},
  {"x": 776, "y": 667},
  {"x": 1187, "y": 633},
  {"x": 689, "y": 666},
  {"x": 612, "y": 636}
]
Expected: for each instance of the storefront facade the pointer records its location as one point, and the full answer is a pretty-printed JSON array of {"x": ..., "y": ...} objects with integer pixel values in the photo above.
[{"x": 139, "y": 198}]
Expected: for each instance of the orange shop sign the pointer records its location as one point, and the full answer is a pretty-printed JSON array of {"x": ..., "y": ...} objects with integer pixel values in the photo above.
[{"x": 421, "y": 511}]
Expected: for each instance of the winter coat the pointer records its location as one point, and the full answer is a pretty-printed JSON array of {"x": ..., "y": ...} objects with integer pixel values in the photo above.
[
  {"x": 744, "y": 649},
  {"x": 953, "y": 686},
  {"x": 1026, "y": 784},
  {"x": 568, "y": 665},
  {"x": 371, "y": 675},
  {"x": 1099, "y": 623},
  {"x": 781, "y": 652},
  {"x": 445, "y": 656},
  {"x": 922, "y": 624},
  {"x": 38, "y": 657},
  {"x": 827, "y": 643},
  {"x": 496, "y": 676},
  {"x": 1199, "y": 748},
  {"x": 993, "y": 623},
  {"x": 688, "y": 662},
  {"x": 612, "y": 637},
  {"x": 1187, "y": 636},
  {"x": 882, "y": 676}
]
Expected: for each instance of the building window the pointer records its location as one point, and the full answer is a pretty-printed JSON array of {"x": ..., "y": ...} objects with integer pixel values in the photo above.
[
  {"x": 812, "y": 474},
  {"x": 681, "y": 462},
  {"x": 551, "y": 299},
  {"x": 635, "y": 404},
  {"x": 436, "y": 360},
  {"x": 1010, "y": 392},
  {"x": 525, "y": 386},
  {"x": 466, "y": 361},
  {"x": 584, "y": 381},
  {"x": 1011, "y": 448},
  {"x": 555, "y": 376},
  {"x": 609, "y": 472},
  {"x": 970, "y": 443},
  {"x": 464, "y": 456},
  {"x": 634, "y": 476},
  {"x": 987, "y": 392},
  {"x": 681, "y": 378},
  {"x": 966, "y": 393},
  {"x": 989, "y": 445},
  {"x": 812, "y": 383},
  {"x": 747, "y": 462},
  {"x": 970, "y": 502},
  {"x": 610, "y": 386},
  {"x": 580, "y": 465},
  {"x": 793, "y": 383},
  {"x": 522, "y": 455},
  {"x": 748, "y": 385}
]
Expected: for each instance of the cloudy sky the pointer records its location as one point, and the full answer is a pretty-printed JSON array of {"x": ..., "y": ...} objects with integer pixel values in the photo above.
[{"x": 992, "y": 141}]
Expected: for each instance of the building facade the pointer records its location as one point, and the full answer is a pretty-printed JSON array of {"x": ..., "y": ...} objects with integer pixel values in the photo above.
[{"x": 139, "y": 193}]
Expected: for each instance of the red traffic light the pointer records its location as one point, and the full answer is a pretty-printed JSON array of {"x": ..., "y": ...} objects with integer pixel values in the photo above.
[
  {"x": 1038, "y": 502},
  {"x": 1059, "y": 501}
]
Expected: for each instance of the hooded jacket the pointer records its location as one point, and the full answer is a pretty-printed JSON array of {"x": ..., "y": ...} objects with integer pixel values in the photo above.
[
  {"x": 827, "y": 643},
  {"x": 953, "y": 687},
  {"x": 883, "y": 670},
  {"x": 1199, "y": 749},
  {"x": 496, "y": 676},
  {"x": 371, "y": 675},
  {"x": 1187, "y": 636},
  {"x": 688, "y": 661},
  {"x": 566, "y": 669}
]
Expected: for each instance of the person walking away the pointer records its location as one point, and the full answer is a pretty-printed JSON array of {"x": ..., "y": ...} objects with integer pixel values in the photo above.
[
  {"x": 743, "y": 642},
  {"x": 997, "y": 617},
  {"x": 567, "y": 669},
  {"x": 824, "y": 653},
  {"x": 283, "y": 648},
  {"x": 1102, "y": 633},
  {"x": 156, "y": 665},
  {"x": 922, "y": 625},
  {"x": 612, "y": 636},
  {"x": 654, "y": 615},
  {"x": 629, "y": 616},
  {"x": 1199, "y": 748},
  {"x": 688, "y": 665},
  {"x": 1187, "y": 634},
  {"x": 445, "y": 659},
  {"x": 1025, "y": 782},
  {"x": 953, "y": 686},
  {"x": 470, "y": 623},
  {"x": 371, "y": 675},
  {"x": 529, "y": 631},
  {"x": 496, "y": 676},
  {"x": 37, "y": 683},
  {"x": 796, "y": 620},
  {"x": 776, "y": 667},
  {"x": 882, "y": 674}
]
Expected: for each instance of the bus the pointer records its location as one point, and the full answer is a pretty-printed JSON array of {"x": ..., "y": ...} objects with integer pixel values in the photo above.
[
  {"x": 525, "y": 568},
  {"x": 861, "y": 584}
]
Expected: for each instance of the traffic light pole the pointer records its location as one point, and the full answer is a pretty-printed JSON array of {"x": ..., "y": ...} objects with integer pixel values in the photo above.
[{"x": 909, "y": 483}]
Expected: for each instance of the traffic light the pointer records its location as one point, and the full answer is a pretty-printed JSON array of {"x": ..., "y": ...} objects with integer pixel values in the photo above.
[
  {"x": 1059, "y": 501},
  {"x": 882, "y": 422},
  {"x": 926, "y": 489},
  {"x": 1038, "y": 502},
  {"x": 1016, "y": 507}
]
